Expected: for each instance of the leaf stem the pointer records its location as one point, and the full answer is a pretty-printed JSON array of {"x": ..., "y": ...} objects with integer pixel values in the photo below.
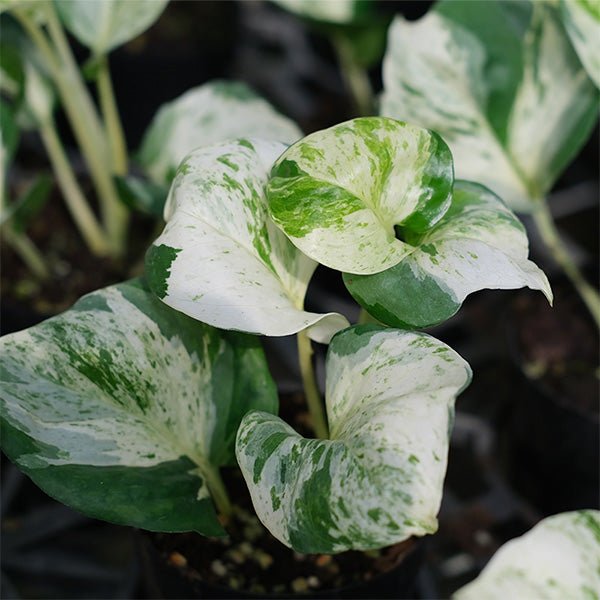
[
  {"x": 28, "y": 252},
  {"x": 551, "y": 237},
  {"x": 217, "y": 489},
  {"x": 112, "y": 121},
  {"x": 311, "y": 391},
  {"x": 82, "y": 214},
  {"x": 83, "y": 118},
  {"x": 355, "y": 77}
]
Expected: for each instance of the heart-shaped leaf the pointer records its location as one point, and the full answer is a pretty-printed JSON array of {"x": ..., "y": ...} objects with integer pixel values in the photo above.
[
  {"x": 338, "y": 194},
  {"x": 501, "y": 83},
  {"x": 214, "y": 112},
  {"x": 125, "y": 409},
  {"x": 102, "y": 25},
  {"x": 378, "y": 480},
  {"x": 478, "y": 244},
  {"x": 220, "y": 259},
  {"x": 559, "y": 558},
  {"x": 582, "y": 21}
]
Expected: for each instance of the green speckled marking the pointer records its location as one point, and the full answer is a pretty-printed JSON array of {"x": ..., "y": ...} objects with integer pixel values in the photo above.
[{"x": 376, "y": 481}]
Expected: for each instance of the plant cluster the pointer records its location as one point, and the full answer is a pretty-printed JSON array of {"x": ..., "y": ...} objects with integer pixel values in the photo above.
[{"x": 127, "y": 406}]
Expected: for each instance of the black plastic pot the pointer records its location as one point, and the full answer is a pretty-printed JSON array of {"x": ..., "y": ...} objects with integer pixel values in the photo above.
[{"x": 162, "y": 580}]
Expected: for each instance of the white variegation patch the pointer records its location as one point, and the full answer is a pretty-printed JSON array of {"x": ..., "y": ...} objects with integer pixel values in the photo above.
[
  {"x": 378, "y": 480},
  {"x": 205, "y": 115},
  {"x": 439, "y": 74},
  {"x": 230, "y": 266},
  {"x": 582, "y": 20},
  {"x": 102, "y": 25},
  {"x": 332, "y": 11},
  {"x": 558, "y": 559}
]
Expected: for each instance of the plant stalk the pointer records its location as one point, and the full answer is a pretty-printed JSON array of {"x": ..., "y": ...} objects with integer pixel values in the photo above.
[
  {"x": 217, "y": 490},
  {"x": 83, "y": 119},
  {"x": 112, "y": 121},
  {"x": 82, "y": 214},
  {"x": 28, "y": 252},
  {"x": 311, "y": 390},
  {"x": 551, "y": 237},
  {"x": 355, "y": 77}
]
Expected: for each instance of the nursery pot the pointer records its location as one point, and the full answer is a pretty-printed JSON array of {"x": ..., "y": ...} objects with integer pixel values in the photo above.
[
  {"x": 169, "y": 576},
  {"x": 553, "y": 433}
]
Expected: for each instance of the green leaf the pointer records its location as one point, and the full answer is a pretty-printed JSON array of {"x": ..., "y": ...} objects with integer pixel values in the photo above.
[
  {"x": 102, "y": 25},
  {"x": 9, "y": 135},
  {"x": 501, "y": 83},
  {"x": 378, "y": 480},
  {"x": 139, "y": 194},
  {"x": 125, "y": 409},
  {"x": 220, "y": 260},
  {"x": 339, "y": 193},
  {"x": 478, "y": 244},
  {"x": 558, "y": 559},
  {"x": 28, "y": 206},
  {"x": 582, "y": 21},
  {"x": 211, "y": 113}
]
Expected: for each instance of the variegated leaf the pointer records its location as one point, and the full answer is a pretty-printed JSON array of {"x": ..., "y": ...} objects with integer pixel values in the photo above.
[
  {"x": 329, "y": 11},
  {"x": 501, "y": 83},
  {"x": 558, "y": 559},
  {"x": 378, "y": 480},
  {"x": 220, "y": 259},
  {"x": 338, "y": 194},
  {"x": 582, "y": 20},
  {"x": 211, "y": 113},
  {"x": 125, "y": 409},
  {"x": 478, "y": 244},
  {"x": 102, "y": 25}
]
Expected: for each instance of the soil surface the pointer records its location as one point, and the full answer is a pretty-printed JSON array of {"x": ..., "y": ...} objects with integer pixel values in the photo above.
[{"x": 559, "y": 347}]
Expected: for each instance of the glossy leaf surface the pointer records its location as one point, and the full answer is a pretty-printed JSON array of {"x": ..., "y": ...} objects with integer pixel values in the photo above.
[
  {"x": 102, "y": 25},
  {"x": 501, "y": 83},
  {"x": 378, "y": 480},
  {"x": 478, "y": 244},
  {"x": 123, "y": 409},
  {"x": 220, "y": 259},
  {"x": 338, "y": 194},
  {"x": 211, "y": 113},
  {"x": 559, "y": 558}
]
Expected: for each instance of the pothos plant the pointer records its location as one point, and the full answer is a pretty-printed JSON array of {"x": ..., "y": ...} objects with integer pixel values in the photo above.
[{"x": 126, "y": 406}]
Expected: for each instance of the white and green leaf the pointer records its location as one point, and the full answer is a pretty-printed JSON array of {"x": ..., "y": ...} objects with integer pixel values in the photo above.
[
  {"x": 501, "y": 83},
  {"x": 478, "y": 244},
  {"x": 102, "y": 25},
  {"x": 582, "y": 21},
  {"x": 125, "y": 409},
  {"x": 338, "y": 194},
  {"x": 328, "y": 11},
  {"x": 558, "y": 559},
  {"x": 378, "y": 480},
  {"x": 215, "y": 112},
  {"x": 220, "y": 259}
]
